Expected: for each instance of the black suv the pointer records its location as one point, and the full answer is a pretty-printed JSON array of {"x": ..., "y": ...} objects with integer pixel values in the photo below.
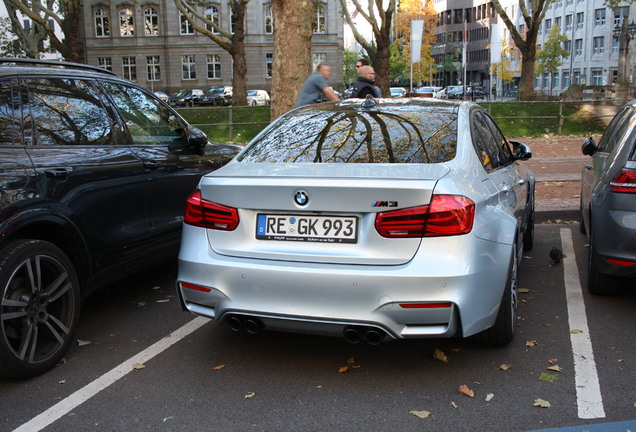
[{"x": 94, "y": 173}]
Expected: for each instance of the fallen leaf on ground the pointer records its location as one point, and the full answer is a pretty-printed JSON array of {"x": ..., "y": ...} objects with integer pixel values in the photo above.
[
  {"x": 343, "y": 369},
  {"x": 439, "y": 355},
  {"x": 574, "y": 331},
  {"x": 62, "y": 382},
  {"x": 505, "y": 367},
  {"x": 489, "y": 397},
  {"x": 138, "y": 366},
  {"x": 421, "y": 414},
  {"x": 219, "y": 367},
  {"x": 464, "y": 390},
  {"x": 555, "y": 368},
  {"x": 523, "y": 290},
  {"x": 351, "y": 360},
  {"x": 141, "y": 304},
  {"x": 541, "y": 403},
  {"x": 250, "y": 395},
  {"x": 548, "y": 377},
  {"x": 83, "y": 342},
  {"x": 531, "y": 343},
  {"x": 163, "y": 301},
  {"x": 454, "y": 405},
  {"x": 553, "y": 361}
]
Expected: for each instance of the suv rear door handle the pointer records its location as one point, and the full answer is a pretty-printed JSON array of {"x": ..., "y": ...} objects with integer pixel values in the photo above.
[
  {"x": 58, "y": 173},
  {"x": 150, "y": 165}
]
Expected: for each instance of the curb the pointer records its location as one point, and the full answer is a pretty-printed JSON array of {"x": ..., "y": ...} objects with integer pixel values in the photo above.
[{"x": 546, "y": 216}]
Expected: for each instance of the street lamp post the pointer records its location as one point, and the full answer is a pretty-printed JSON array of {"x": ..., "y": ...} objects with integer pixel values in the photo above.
[{"x": 625, "y": 33}]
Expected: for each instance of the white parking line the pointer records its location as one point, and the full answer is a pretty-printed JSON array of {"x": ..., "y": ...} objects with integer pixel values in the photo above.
[
  {"x": 588, "y": 389},
  {"x": 90, "y": 390}
]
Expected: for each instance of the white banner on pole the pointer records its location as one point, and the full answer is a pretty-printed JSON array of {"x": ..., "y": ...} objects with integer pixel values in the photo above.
[{"x": 417, "y": 27}]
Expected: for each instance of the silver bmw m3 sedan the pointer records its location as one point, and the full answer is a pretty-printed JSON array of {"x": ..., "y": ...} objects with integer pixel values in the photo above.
[{"x": 370, "y": 219}]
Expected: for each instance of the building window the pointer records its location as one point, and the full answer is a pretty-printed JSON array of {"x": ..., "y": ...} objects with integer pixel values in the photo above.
[
  {"x": 319, "y": 27},
  {"x": 269, "y": 63},
  {"x": 102, "y": 24},
  {"x": 616, "y": 42},
  {"x": 567, "y": 45},
  {"x": 540, "y": 31},
  {"x": 599, "y": 17},
  {"x": 597, "y": 77},
  {"x": 186, "y": 27},
  {"x": 105, "y": 63},
  {"x": 548, "y": 25},
  {"x": 126, "y": 22},
  {"x": 568, "y": 23},
  {"x": 129, "y": 68},
  {"x": 599, "y": 45},
  {"x": 153, "y": 68},
  {"x": 577, "y": 77},
  {"x": 566, "y": 79},
  {"x": 269, "y": 20},
  {"x": 557, "y": 22},
  {"x": 546, "y": 80},
  {"x": 579, "y": 20},
  {"x": 214, "y": 66},
  {"x": 555, "y": 80},
  {"x": 317, "y": 59},
  {"x": 188, "y": 67},
  {"x": 620, "y": 13},
  {"x": 151, "y": 22},
  {"x": 212, "y": 15},
  {"x": 578, "y": 47}
]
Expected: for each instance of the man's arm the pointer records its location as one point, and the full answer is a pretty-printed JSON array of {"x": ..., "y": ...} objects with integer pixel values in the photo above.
[{"x": 329, "y": 94}]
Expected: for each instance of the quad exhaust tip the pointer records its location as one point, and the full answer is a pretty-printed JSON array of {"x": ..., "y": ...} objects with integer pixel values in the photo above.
[
  {"x": 248, "y": 324},
  {"x": 356, "y": 334}
]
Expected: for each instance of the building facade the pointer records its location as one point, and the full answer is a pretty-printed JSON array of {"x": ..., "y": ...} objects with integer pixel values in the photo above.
[
  {"x": 152, "y": 43},
  {"x": 472, "y": 29}
]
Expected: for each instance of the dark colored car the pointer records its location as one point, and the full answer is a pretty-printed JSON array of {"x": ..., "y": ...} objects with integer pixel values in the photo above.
[
  {"x": 94, "y": 171},
  {"x": 187, "y": 98},
  {"x": 217, "y": 96},
  {"x": 608, "y": 204}
]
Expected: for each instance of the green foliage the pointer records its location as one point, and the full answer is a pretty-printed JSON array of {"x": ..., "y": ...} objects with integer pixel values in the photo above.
[
  {"x": 349, "y": 66},
  {"x": 551, "y": 56}
]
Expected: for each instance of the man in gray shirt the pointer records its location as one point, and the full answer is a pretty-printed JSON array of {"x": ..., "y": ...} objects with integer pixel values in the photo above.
[{"x": 315, "y": 86}]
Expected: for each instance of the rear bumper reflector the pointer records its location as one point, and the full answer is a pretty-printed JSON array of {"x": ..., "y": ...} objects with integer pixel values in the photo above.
[
  {"x": 425, "y": 305},
  {"x": 194, "y": 287},
  {"x": 620, "y": 262}
]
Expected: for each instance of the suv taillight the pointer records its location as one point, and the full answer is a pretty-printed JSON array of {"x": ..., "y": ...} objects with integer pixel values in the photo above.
[
  {"x": 446, "y": 215},
  {"x": 625, "y": 181},
  {"x": 206, "y": 214}
]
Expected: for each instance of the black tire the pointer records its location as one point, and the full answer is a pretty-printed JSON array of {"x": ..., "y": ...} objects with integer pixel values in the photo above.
[
  {"x": 528, "y": 235},
  {"x": 253, "y": 103},
  {"x": 581, "y": 220},
  {"x": 598, "y": 283},
  {"x": 39, "y": 307},
  {"x": 503, "y": 331}
]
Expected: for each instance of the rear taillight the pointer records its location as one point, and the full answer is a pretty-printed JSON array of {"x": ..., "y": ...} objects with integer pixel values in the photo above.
[
  {"x": 446, "y": 215},
  {"x": 206, "y": 214},
  {"x": 625, "y": 181}
]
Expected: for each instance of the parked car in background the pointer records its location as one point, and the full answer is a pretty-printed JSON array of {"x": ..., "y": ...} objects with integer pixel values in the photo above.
[
  {"x": 162, "y": 96},
  {"x": 398, "y": 92},
  {"x": 371, "y": 220},
  {"x": 257, "y": 97},
  {"x": 428, "y": 90},
  {"x": 92, "y": 189},
  {"x": 217, "y": 96},
  {"x": 189, "y": 98},
  {"x": 608, "y": 204}
]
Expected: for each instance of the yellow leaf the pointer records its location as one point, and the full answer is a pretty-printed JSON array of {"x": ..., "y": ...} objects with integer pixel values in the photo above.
[
  {"x": 421, "y": 414},
  {"x": 62, "y": 382},
  {"x": 343, "y": 369},
  {"x": 555, "y": 368},
  {"x": 250, "y": 395},
  {"x": 219, "y": 367},
  {"x": 489, "y": 397},
  {"x": 541, "y": 403},
  {"x": 574, "y": 331},
  {"x": 439, "y": 355},
  {"x": 505, "y": 367},
  {"x": 523, "y": 290},
  {"x": 138, "y": 366},
  {"x": 464, "y": 390}
]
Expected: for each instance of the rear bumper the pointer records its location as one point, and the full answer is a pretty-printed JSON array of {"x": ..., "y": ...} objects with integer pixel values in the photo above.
[
  {"x": 614, "y": 232},
  {"x": 464, "y": 283}
]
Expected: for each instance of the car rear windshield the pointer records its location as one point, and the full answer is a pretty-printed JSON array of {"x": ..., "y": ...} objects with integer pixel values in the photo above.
[{"x": 326, "y": 133}]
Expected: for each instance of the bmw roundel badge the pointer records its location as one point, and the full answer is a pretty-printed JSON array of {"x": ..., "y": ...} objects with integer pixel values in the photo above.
[{"x": 301, "y": 198}]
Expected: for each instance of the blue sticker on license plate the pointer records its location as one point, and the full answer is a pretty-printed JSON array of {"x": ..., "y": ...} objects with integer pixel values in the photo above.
[{"x": 327, "y": 229}]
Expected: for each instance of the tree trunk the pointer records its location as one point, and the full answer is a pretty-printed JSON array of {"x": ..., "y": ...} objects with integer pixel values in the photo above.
[
  {"x": 293, "y": 30},
  {"x": 71, "y": 48},
  {"x": 526, "y": 84},
  {"x": 239, "y": 80},
  {"x": 381, "y": 65}
]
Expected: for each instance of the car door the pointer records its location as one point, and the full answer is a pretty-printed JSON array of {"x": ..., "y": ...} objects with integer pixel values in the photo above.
[
  {"x": 172, "y": 164},
  {"x": 84, "y": 168},
  {"x": 503, "y": 171}
]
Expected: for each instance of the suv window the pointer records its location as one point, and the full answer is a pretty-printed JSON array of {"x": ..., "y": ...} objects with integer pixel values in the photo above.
[
  {"x": 10, "y": 128},
  {"x": 147, "y": 119},
  {"x": 66, "y": 112},
  {"x": 490, "y": 144},
  {"x": 615, "y": 131},
  {"x": 392, "y": 134}
]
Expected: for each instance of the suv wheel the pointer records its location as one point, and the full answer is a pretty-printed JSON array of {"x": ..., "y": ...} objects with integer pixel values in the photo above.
[{"x": 39, "y": 307}]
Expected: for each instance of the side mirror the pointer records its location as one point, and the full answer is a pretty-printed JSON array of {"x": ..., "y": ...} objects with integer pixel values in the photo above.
[
  {"x": 521, "y": 151},
  {"x": 197, "y": 139},
  {"x": 589, "y": 147}
]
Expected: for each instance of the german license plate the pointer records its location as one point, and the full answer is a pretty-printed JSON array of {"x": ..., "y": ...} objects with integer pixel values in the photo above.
[{"x": 327, "y": 229}]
